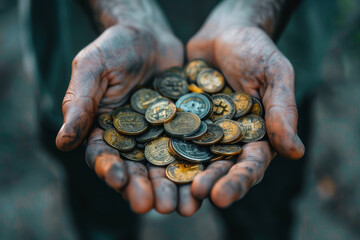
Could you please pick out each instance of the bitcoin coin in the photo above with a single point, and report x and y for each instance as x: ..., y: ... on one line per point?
x: 105, y: 121
x: 257, y: 107
x: 243, y: 130
x: 255, y: 128
x: 121, y: 109
x: 184, y: 123
x: 142, y: 98
x: 224, y: 107
x: 151, y: 133
x: 193, y: 67
x: 156, y: 152
x: 176, y: 70
x: 212, y: 136
x: 183, y: 172
x: 195, y: 103
x: 232, y: 130
x: 191, y: 151
x: 172, y: 86
x: 135, y: 155
x: 119, y: 141
x: 226, y: 149
x: 130, y: 123
x: 243, y: 103
x: 202, y: 131
x: 161, y: 111
x: 210, y: 80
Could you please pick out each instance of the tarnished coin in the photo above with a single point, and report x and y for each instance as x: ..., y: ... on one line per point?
x: 227, y: 90
x: 151, y: 133
x: 119, y: 141
x: 231, y: 157
x: 140, y: 145
x: 212, y: 136
x: 224, y: 107
x: 176, y: 70
x: 105, y: 121
x: 208, y: 121
x: 195, y: 103
x: 255, y: 128
x: 135, y: 155
x: 157, y: 153
x: 193, y: 67
x: 232, y: 130
x: 202, y: 131
x: 243, y: 103
x: 184, y: 123
x: 121, y: 109
x: 130, y: 123
x: 210, y: 80
x: 161, y: 111
x: 172, y: 86
x: 183, y: 172
x: 142, y: 98
x: 191, y: 151
x: 195, y: 88
x: 243, y: 130
x: 257, y: 107
x: 226, y: 149
x: 217, y: 158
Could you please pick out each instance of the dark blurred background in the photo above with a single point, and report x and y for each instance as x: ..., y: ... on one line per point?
x: 318, y: 197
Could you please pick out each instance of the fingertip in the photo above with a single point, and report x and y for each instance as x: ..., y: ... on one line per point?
x: 188, y: 205
x: 65, y: 140
x: 221, y: 194
x: 140, y: 194
x: 165, y: 193
x: 116, y: 177
x: 200, y: 187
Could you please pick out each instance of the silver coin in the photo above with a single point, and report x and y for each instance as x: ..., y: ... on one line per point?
x: 191, y: 151
x: 195, y: 103
x: 202, y: 131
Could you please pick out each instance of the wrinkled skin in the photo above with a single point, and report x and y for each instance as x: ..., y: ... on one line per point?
x: 252, y: 63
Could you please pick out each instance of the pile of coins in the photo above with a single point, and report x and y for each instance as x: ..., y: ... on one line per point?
x: 188, y: 119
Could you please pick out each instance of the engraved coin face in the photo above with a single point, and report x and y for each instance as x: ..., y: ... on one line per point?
x: 231, y: 129
x: 191, y: 151
x: 130, y: 123
x: 226, y: 149
x: 151, y: 133
x: 195, y: 103
x: 213, y: 135
x: 255, y: 128
x: 105, y: 121
x: 202, y: 131
x: 142, y: 98
x: 160, y: 112
x: 211, y: 80
x: 176, y: 70
x: 257, y: 107
x: 172, y: 86
x: 184, y: 123
x: 224, y: 107
x: 193, y: 67
x: 135, y: 155
x: 156, y: 152
x: 243, y: 103
x: 183, y: 172
x: 121, y: 109
x: 119, y: 141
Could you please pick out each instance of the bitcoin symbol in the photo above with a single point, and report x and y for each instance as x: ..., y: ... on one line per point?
x: 220, y: 108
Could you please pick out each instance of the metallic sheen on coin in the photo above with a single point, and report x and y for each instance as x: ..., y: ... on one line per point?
x: 257, y: 107
x: 184, y: 123
x: 135, y: 155
x: 105, y: 121
x: 183, y: 172
x: 195, y: 103
x: 226, y: 149
x: 151, y: 133
x: 119, y: 141
x: 255, y: 128
x: 130, y: 123
x: 224, y: 107
x: 142, y: 98
x: 243, y: 103
x: 212, y: 136
x: 172, y: 86
x: 232, y: 130
x: 210, y: 80
x: 161, y: 111
x: 156, y: 152
x: 193, y: 67
x: 202, y: 131
x: 191, y: 151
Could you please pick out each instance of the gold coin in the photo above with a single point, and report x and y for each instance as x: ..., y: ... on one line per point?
x: 227, y: 90
x: 119, y: 141
x: 193, y: 67
x: 232, y: 130
x: 121, y: 109
x: 226, y: 149
x: 184, y: 123
x: 105, y: 121
x: 210, y: 80
x: 130, y: 123
x: 182, y: 171
x: 224, y: 107
x: 217, y: 158
x: 213, y: 135
x: 156, y: 152
x: 142, y: 98
x: 195, y: 89
x: 257, y: 107
x: 243, y: 103
x: 255, y: 128
x: 161, y: 111
x: 243, y: 130
x: 135, y: 155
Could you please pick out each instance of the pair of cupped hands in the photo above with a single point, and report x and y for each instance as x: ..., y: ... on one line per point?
x: 123, y: 57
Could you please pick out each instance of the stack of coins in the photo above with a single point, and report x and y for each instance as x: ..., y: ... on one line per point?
x: 189, y: 118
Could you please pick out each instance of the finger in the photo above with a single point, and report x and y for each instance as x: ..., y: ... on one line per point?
x: 139, y: 190
x: 165, y: 191
x: 204, y: 181
x: 105, y: 160
x: 248, y: 171
x: 187, y: 204
x: 81, y: 99
x: 280, y: 108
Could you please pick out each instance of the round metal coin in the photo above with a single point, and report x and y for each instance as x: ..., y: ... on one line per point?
x: 160, y: 112
x: 193, y: 67
x: 232, y: 130
x: 210, y: 80
x: 191, y: 151
x: 172, y: 85
x: 212, y: 136
x: 130, y: 123
x: 224, y: 107
x: 255, y: 128
x: 184, y: 123
x: 135, y: 155
x: 176, y: 70
x: 243, y: 103
x: 105, y: 121
x: 183, y: 172
x: 121, y: 109
x: 156, y: 152
x: 226, y: 149
x: 142, y: 98
x: 202, y: 131
x: 195, y: 103
x: 119, y: 141
x: 257, y: 107
x: 151, y: 133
